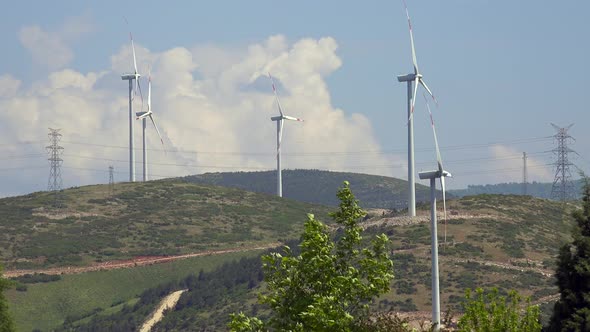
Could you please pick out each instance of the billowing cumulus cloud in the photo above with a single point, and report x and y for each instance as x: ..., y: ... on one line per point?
x: 212, y: 104
x: 51, y: 49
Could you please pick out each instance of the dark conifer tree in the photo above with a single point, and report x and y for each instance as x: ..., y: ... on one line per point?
x: 572, y: 310
x: 6, y: 322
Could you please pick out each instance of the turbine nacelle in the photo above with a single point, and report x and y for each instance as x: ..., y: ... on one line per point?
x: 408, y: 77
x: 142, y: 115
x: 434, y: 175
x: 285, y: 117
x: 126, y: 77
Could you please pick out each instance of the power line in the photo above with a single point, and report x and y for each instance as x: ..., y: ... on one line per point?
x: 324, y: 153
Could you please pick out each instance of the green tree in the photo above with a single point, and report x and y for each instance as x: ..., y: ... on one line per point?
x: 494, y: 313
x: 6, y: 323
x: 572, y: 311
x: 328, y: 286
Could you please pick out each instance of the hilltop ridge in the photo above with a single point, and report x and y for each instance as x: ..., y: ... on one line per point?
x: 319, y: 187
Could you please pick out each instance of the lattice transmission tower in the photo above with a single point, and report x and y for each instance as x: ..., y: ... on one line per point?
x: 563, y: 186
x: 111, y: 181
x: 54, y: 150
x: 524, y: 174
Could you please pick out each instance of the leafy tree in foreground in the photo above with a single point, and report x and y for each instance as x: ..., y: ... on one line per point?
x: 328, y: 286
x: 494, y: 313
x: 572, y: 310
x: 6, y: 323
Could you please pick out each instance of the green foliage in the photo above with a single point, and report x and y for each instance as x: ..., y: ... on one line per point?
x: 241, y: 322
x: 328, y: 286
x: 572, y: 310
x: 36, y: 278
x: 6, y: 322
x: 205, y: 306
x: 78, y: 295
x: 494, y: 313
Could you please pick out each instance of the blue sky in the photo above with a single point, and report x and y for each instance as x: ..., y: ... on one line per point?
x: 502, y: 71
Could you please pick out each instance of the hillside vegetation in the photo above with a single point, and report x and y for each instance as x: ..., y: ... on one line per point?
x: 154, y: 218
x: 319, y: 187
x: 508, y: 242
x: 80, y: 297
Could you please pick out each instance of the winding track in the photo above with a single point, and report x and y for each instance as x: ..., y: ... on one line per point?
x: 141, y: 261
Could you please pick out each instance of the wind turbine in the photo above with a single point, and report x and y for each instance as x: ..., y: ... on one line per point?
x: 440, y: 173
x: 132, y: 92
x: 143, y: 116
x: 414, y: 79
x: 279, y: 119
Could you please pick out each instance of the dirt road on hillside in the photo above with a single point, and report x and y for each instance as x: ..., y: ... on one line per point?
x: 167, y: 303
x: 419, y: 219
x: 135, y: 262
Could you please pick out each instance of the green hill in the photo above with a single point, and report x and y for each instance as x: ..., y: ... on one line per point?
x: 157, y: 218
x: 508, y: 242
x: 153, y: 218
x: 319, y: 187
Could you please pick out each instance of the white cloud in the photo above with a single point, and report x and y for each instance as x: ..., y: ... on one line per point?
x: 51, y: 49
x: 8, y: 86
x: 200, y: 104
x: 46, y: 49
x: 509, y: 161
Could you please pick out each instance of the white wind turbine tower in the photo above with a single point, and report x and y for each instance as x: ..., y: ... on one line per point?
x: 143, y: 116
x: 440, y: 173
x: 132, y: 92
x: 279, y: 119
x: 414, y: 78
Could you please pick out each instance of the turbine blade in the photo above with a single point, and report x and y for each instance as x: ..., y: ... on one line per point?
x: 274, y: 90
x: 413, y: 100
x: 438, y: 157
x: 133, y: 50
x: 429, y: 92
x: 140, y: 93
x: 281, y: 133
x: 286, y: 117
x: 280, y: 137
x: 444, y: 199
x: 157, y: 130
x: 414, y: 61
x: 149, y: 102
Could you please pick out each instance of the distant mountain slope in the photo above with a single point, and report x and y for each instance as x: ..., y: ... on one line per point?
x: 319, y: 187
x: 535, y: 189
x: 152, y: 218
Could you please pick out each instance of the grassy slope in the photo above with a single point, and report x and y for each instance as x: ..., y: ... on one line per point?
x: 154, y: 218
x: 186, y: 217
x: 512, y: 230
x: 319, y: 187
x: 489, y: 228
x: 45, y: 306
